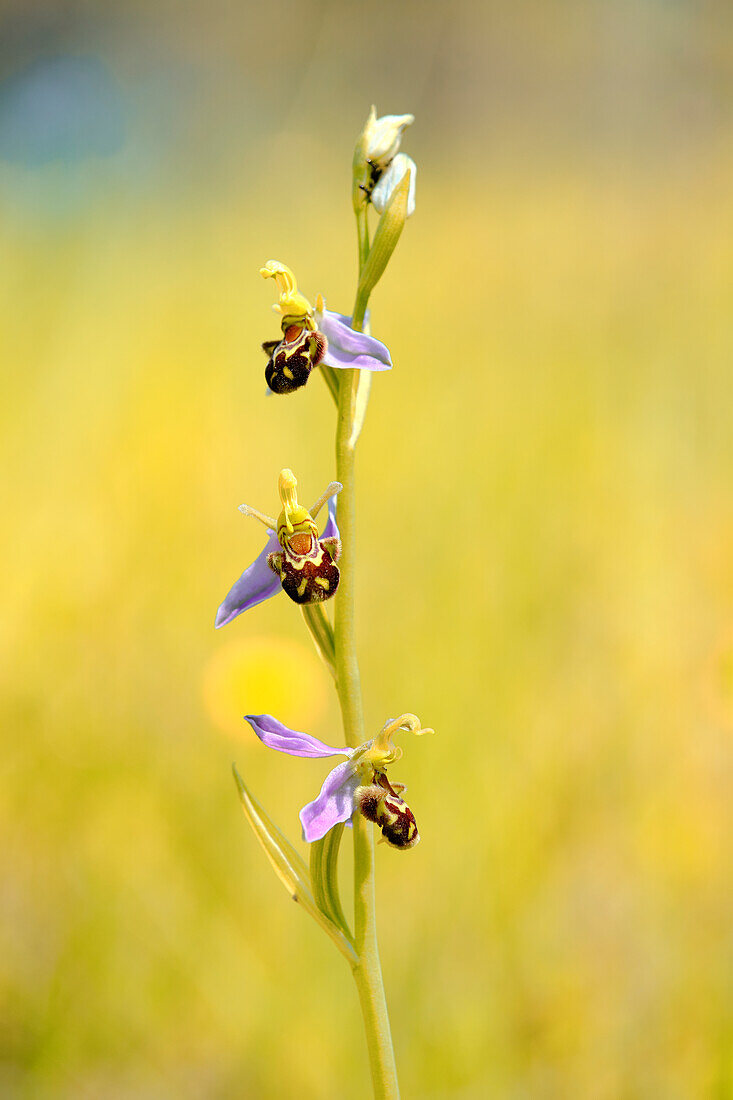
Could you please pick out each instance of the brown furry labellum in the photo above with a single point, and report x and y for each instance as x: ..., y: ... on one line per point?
x: 307, y: 567
x: 292, y: 359
x: 379, y: 802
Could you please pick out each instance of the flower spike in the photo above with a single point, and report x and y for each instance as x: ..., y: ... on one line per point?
x: 294, y: 558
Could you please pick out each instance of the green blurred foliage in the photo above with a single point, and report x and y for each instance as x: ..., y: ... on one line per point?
x: 545, y: 543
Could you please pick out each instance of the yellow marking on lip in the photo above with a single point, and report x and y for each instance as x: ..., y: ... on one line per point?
x: 323, y: 582
x: 302, y: 586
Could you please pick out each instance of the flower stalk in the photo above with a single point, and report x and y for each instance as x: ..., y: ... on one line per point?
x: 368, y: 971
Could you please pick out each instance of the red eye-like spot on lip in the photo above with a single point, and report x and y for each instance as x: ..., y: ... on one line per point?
x: 300, y: 543
x: 292, y: 332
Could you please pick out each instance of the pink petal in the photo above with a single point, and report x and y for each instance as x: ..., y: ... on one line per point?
x: 277, y: 736
x: 335, y: 802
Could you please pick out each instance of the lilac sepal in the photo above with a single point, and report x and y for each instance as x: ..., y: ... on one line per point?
x: 277, y: 736
x: 335, y: 802
x: 257, y: 583
x: 347, y: 348
x: 331, y: 529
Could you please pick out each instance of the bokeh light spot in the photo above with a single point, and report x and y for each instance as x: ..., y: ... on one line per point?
x: 61, y: 108
x: 264, y: 675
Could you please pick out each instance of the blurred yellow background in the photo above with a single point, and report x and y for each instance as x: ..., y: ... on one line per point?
x: 545, y: 538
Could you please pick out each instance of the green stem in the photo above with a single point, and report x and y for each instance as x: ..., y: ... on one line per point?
x: 362, y: 229
x: 348, y: 681
x: 367, y: 972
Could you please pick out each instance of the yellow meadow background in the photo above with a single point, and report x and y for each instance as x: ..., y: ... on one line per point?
x: 545, y: 539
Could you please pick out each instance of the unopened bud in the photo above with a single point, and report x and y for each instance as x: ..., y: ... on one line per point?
x: 378, y: 144
x: 382, y: 137
x: 390, y: 180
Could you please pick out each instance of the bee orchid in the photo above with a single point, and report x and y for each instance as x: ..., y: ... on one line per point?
x: 313, y: 336
x: 294, y: 558
x: 358, y: 784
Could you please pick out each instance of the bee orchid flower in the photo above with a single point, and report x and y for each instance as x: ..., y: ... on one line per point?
x: 294, y: 558
x: 313, y: 336
x: 360, y: 783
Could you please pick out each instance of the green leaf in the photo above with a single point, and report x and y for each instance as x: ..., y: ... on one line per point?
x: 390, y: 226
x: 361, y: 400
x: 324, y: 876
x: 361, y: 387
x: 290, y: 868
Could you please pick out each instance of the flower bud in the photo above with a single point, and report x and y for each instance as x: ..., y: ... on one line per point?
x: 378, y: 144
x: 389, y: 181
x: 382, y: 137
